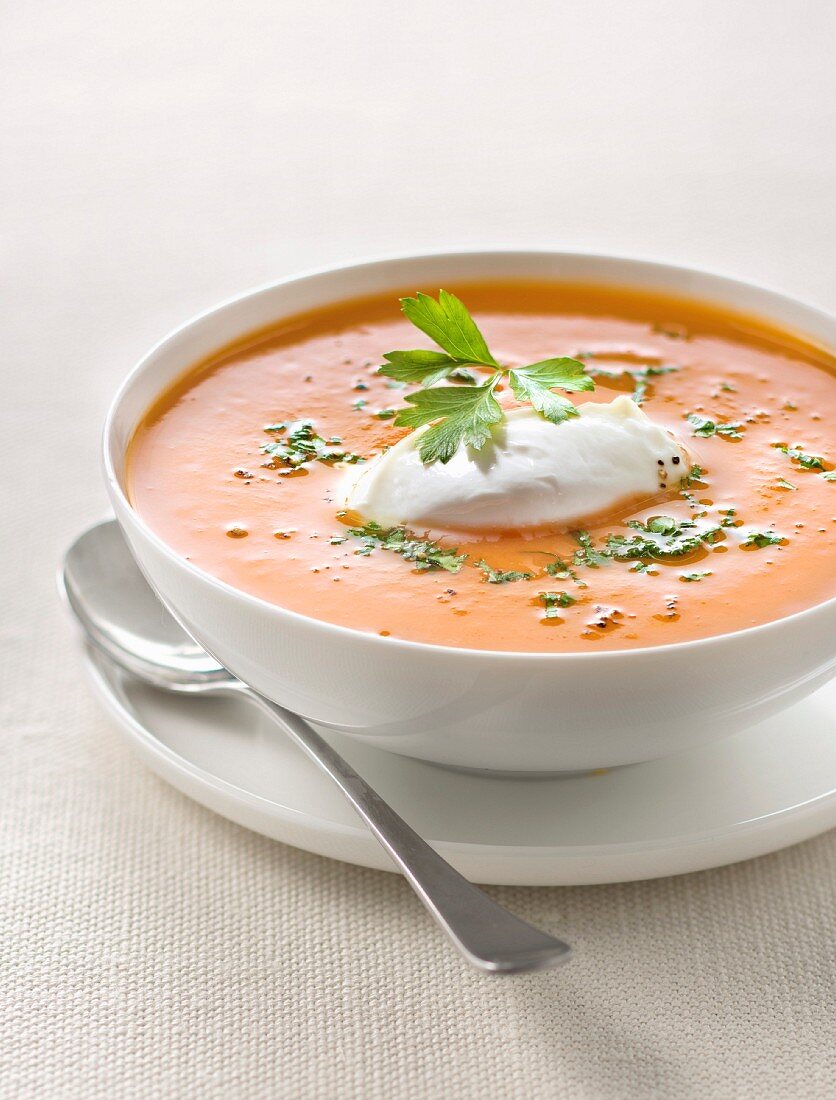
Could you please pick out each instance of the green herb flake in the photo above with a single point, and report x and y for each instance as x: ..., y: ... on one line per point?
x: 424, y: 554
x: 661, y: 537
x: 499, y: 576
x: 385, y: 414
x: 757, y: 540
x: 644, y: 567
x: 696, y: 473
x: 782, y: 483
x: 694, y: 576
x: 554, y: 601
x: 829, y: 475
x: 301, y: 444
x: 729, y: 517
x: 588, y: 554
x: 795, y: 452
x: 640, y: 377
x: 561, y: 569
x: 706, y: 428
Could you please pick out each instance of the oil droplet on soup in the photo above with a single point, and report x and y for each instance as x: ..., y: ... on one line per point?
x: 200, y: 477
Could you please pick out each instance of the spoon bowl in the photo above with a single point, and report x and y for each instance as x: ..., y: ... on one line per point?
x: 121, y: 615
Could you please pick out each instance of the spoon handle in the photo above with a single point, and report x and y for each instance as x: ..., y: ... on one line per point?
x: 488, y: 936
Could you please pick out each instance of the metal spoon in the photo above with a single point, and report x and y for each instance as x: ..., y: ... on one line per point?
x: 122, y: 616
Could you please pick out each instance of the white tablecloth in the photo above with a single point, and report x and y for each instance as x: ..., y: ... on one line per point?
x: 160, y: 156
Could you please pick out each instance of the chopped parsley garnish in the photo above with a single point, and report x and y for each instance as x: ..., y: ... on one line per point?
x: 640, y: 377
x: 425, y: 554
x: 808, y: 461
x: 385, y: 414
x: 829, y: 475
x: 643, y: 567
x: 300, y: 444
x: 588, y: 554
x: 463, y: 415
x: 562, y: 570
x: 499, y: 576
x: 782, y: 483
x: 757, y: 540
x: 705, y: 428
x: 729, y: 517
x: 660, y: 537
x: 694, y: 576
x: 696, y: 473
x: 640, y: 380
x: 553, y: 601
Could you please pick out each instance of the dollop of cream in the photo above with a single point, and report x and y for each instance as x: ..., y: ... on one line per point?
x: 532, y: 474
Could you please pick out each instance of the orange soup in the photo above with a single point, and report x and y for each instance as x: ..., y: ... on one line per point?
x: 743, y: 536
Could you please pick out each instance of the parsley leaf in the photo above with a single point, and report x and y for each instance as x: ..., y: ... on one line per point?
x: 468, y: 412
x: 498, y: 576
x: 829, y: 475
x: 426, y: 367
x: 449, y: 324
x: 425, y: 554
x: 466, y: 418
x: 534, y: 383
x: 694, y: 576
x: 704, y: 427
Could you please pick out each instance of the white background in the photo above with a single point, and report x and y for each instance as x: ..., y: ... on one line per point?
x: 160, y: 155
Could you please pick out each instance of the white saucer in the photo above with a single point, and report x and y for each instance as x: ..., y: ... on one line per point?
x: 750, y: 794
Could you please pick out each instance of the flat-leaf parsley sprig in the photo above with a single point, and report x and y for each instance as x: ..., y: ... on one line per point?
x: 464, y: 415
